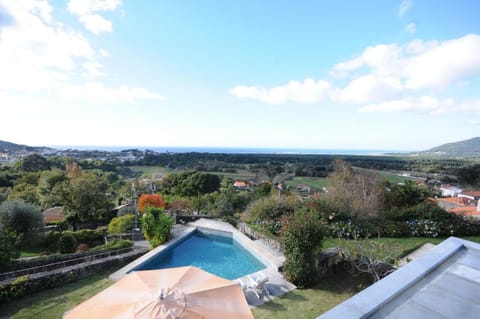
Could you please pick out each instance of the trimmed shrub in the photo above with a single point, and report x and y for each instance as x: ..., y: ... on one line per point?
x: 67, y: 243
x: 119, y: 244
x: 302, y: 237
x: 268, y: 212
x: 91, y: 237
x: 8, y: 249
x: 51, y: 241
x: 121, y: 224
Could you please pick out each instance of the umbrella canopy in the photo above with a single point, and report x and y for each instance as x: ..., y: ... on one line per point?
x: 183, y: 292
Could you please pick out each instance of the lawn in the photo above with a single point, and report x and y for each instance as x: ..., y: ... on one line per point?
x: 305, y: 303
x: 386, y: 175
x: 53, y: 303
x: 310, y: 303
x: 315, y: 183
x: 153, y: 171
x: 159, y: 171
x: 394, y: 247
x: 30, y: 253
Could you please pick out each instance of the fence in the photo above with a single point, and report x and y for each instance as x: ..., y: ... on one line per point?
x: 63, y: 263
x: 253, y: 234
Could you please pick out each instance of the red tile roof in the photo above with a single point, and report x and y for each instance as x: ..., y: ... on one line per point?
x: 240, y: 184
x: 465, y: 211
x: 473, y: 194
x: 53, y: 215
x: 453, y: 200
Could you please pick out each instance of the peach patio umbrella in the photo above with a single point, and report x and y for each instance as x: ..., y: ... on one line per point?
x: 183, y: 292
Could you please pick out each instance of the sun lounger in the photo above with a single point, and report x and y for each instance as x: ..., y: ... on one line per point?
x: 257, y: 286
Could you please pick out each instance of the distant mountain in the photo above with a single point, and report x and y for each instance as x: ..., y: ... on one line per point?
x: 12, y: 147
x: 467, y: 148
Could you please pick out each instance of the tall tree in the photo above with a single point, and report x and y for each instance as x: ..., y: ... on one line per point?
x: 150, y: 200
x: 84, y: 198
x: 360, y: 194
x: 50, y: 187
x: 20, y: 218
x: 406, y: 195
x: 34, y: 163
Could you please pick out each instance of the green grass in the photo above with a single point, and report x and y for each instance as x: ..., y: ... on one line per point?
x: 241, y: 174
x: 386, y: 175
x: 393, y: 247
x: 305, y: 303
x: 159, y: 171
x: 53, y: 303
x: 310, y: 303
x: 315, y: 183
x: 154, y: 171
x: 30, y: 253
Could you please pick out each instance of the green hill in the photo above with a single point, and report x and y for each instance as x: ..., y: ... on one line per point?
x: 12, y: 147
x: 467, y: 148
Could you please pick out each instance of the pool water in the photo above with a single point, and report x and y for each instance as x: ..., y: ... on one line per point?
x: 216, y: 254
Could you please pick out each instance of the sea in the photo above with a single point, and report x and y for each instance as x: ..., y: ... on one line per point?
x: 235, y: 150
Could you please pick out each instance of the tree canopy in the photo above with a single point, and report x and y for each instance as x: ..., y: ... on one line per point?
x: 150, y: 200
x: 20, y: 218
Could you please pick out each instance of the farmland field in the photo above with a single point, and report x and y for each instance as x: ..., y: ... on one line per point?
x: 315, y: 183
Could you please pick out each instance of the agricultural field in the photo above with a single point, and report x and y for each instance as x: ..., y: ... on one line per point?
x: 391, y: 177
x: 157, y: 172
x: 315, y: 183
x: 154, y: 172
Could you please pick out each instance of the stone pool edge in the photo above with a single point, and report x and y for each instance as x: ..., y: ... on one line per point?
x: 276, y: 285
x: 179, y: 234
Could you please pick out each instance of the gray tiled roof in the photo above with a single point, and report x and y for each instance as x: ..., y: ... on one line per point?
x: 444, y: 283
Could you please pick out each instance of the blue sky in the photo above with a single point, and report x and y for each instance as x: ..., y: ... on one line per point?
x: 387, y: 75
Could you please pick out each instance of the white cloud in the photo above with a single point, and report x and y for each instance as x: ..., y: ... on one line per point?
x: 98, y: 93
x: 87, y: 11
x: 420, y: 64
x: 37, y: 54
x: 444, y: 64
x: 82, y: 7
x: 427, y: 104
x: 367, y: 89
x: 96, y: 23
x: 404, y: 7
x: 40, y: 57
x: 308, y: 92
x: 92, y: 69
x: 103, y: 53
x: 386, y: 76
x: 411, y: 28
x: 424, y: 103
x: 471, y: 106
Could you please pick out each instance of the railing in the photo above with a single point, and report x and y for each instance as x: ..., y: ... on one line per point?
x: 253, y: 234
x: 133, y: 236
x: 61, y: 264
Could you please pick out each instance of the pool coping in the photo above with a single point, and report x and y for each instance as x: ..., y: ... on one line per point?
x: 179, y: 233
x: 272, y: 260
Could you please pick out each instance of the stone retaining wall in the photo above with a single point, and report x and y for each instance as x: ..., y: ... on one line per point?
x: 47, y: 263
x: 29, y: 284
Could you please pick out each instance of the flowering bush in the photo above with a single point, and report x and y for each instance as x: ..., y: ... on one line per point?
x: 150, y: 200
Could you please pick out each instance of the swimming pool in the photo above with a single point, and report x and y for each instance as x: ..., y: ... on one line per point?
x: 215, y: 253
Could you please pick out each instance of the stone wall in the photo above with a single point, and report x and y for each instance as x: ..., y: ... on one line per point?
x: 29, y: 284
